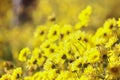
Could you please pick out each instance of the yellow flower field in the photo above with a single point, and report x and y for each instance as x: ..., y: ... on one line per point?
x: 61, y: 46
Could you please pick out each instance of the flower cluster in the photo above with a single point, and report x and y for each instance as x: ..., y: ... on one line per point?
x: 67, y: 52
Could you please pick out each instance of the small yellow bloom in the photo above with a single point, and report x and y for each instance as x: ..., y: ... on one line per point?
x: 113, y: 58
x: 52, y: 74
x: 46, y: 44
x: 90, y: 70
x: 118, y: 22
x: 49, y: 48
x: 60, y: 57
x: 23, y: 54
x: 111, y: 41
x: 76, y: 65
x: 93, y: 55
x: 49, y: 65
x: 40, y: 61
x: 6, y: 77
x: 37, y: 53
x: 114, y: 70
x: 65, y: 30
x: 54, y: 32
x: 40, y: 32
x: 17, y: 73
x: 37, y: 57
x: 32, y: 62
x: 110, y: 24
x: 84, y: 17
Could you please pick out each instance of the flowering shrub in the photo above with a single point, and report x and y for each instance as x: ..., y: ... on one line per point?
x: 70, y: 53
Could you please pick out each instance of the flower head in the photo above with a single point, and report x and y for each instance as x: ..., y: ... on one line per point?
x: 23, y: 54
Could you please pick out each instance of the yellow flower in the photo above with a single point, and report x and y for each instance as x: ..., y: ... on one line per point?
x: 113, y: 58
x: 23, y: 54
x: 77, y: 35
x: 84, y: 17
x: 32, y: 62
x: 118, y: 22
x: 76, y: 65
x: 40, y: 32
x: 17, y: 73
x: 54, y: 32
x: 111, y: 41
x: 41, y: 61
x: 60, y: 57
x: 110, y: 24
x: 117, y: 49
x: 93, y: 55
x: 37, y: 53
x: 49, y: 65
x: 90, y: 71
x: 65, y: 30
x: 46, y: 44
x: 114, y: 70
x: 6, y: 77
x: 78, y: 42
x: 101, y: 36
x: 49, y: 49
x: 52, y: 74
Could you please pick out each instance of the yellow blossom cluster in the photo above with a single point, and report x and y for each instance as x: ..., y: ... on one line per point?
x: 68, y: 52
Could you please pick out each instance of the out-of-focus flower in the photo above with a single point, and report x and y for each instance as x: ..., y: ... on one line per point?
x: 54, y: 32
x: 84, y: 17
x: 41, y: 32
x: 23, y: 54
x: 17, y: 73
x: 93, y: 55
x: 114, y: 70
x: 6, y: 77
